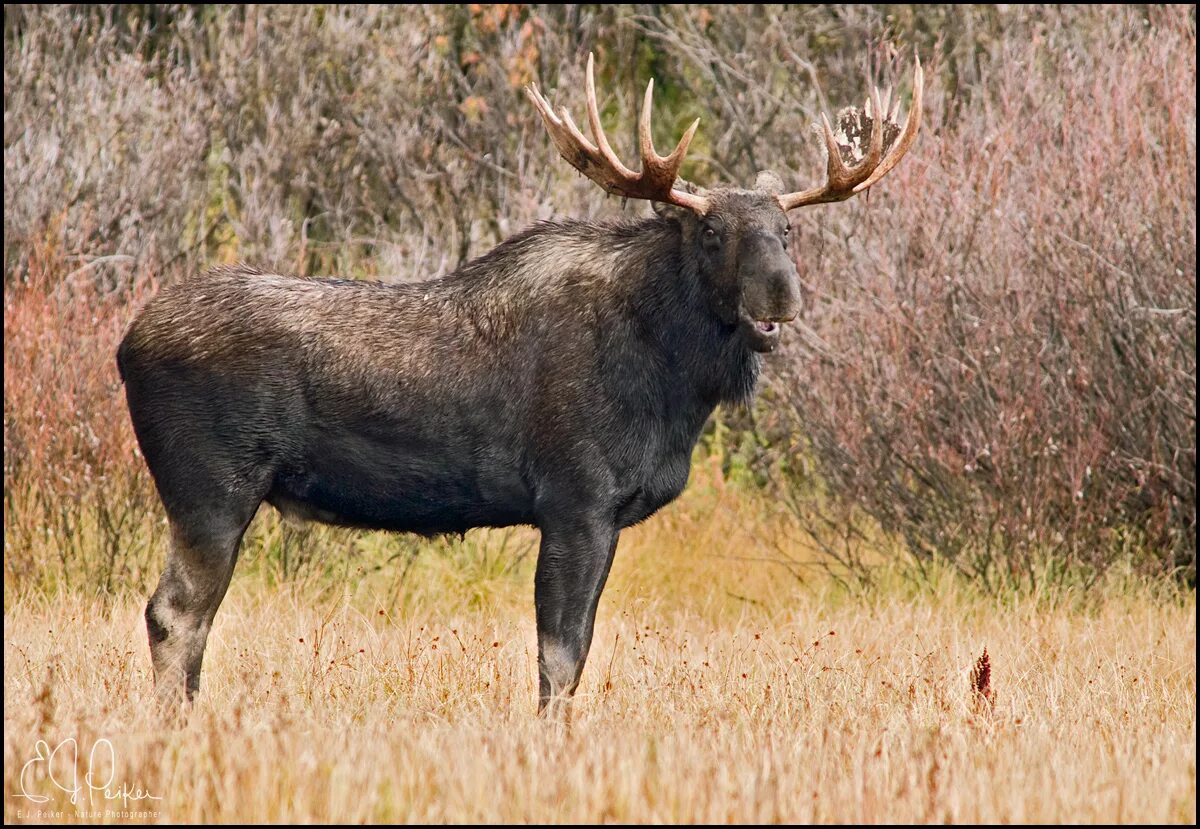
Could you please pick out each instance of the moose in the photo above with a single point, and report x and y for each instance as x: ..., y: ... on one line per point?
x: 560, y: 380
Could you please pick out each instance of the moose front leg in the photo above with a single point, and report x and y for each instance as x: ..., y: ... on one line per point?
x: 573, y: 564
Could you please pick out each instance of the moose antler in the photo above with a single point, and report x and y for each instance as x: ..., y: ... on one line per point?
x: 844, y: 181
x: 656, y: 181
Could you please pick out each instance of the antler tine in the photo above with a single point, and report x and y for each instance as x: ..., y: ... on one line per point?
x: 885, y: 98
x: 676, y: 157
x: 645, y: 141
x: 560, y: 133
x: 844, y: 181
x: 598, y: 130
x: 909, y: 134
x: 876, y: 151
x: 668, y: 164
x: 598, y: 162
x: 836, y: 172
x: 543, y: 106
x: 575, y: 133
x: 840, y: 177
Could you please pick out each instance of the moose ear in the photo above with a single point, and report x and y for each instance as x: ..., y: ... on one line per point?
x: 769, y: 182
x: 672, y: 211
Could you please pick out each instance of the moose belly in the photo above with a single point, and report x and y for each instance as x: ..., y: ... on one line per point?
x: 430, y: 489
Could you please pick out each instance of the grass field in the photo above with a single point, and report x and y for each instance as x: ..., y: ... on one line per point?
x: 722, y: 686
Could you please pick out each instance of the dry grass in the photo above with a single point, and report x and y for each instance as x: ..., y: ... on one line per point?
x: 720, y: 688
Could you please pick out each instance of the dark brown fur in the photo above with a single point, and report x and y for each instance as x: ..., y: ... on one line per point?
x: 560, y: 380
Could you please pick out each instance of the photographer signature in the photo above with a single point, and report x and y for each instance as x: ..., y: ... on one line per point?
x: 66, y: 755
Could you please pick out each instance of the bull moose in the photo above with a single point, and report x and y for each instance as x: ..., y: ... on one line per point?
x: 560, y: 380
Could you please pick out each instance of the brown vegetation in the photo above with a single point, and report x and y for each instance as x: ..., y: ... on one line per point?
x: 998, y: 363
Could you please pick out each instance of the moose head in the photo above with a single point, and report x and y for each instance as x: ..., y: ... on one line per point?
x: 739, y: 237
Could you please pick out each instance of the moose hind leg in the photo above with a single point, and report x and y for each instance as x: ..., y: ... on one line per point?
x: 181, y: 610
x: 573, y: 565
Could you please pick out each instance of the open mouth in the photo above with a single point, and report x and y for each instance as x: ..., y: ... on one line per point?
x: 762, y: 334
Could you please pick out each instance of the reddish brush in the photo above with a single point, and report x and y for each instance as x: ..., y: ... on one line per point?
x: 983, y: 697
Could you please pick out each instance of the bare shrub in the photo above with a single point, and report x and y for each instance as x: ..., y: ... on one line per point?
x: 998, y: 363
x: 104, y: 150
x: 1003, y: 369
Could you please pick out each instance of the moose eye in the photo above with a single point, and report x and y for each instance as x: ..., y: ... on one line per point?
x: 709, y: 233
